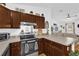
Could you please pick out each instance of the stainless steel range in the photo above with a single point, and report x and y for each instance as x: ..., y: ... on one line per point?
x: 28, y: 40
x: 28, y: 44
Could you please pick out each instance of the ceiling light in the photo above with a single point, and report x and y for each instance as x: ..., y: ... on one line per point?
x: 68, y: 15
x: 68, y: 18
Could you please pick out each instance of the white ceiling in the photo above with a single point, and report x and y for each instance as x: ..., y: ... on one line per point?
x: 52, y: 4
x: 59, y: 11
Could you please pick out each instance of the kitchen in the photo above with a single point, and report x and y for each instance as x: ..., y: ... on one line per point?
x: 24, y: 32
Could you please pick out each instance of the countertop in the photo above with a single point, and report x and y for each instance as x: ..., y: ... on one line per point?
x: 5, y: 44
x: 59, y: 39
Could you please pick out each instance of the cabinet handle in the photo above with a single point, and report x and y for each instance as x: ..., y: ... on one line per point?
x: 14, y: 45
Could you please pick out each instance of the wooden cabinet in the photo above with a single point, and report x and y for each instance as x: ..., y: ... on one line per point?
x: 16, y: 19
x: 32, y: 18
x: 40, y: 45
x: 48, y: 51
x: 24, y: 17
x: 40, y: 21
x: 12, y: 19
x: 5, y: 17
x: 15, y: 49
x: 51, y: 48
x: 27, y: 18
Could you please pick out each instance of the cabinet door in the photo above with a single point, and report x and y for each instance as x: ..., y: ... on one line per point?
x: 40, y: 22
x: 15, y: 52
x: 15, y: 49
x: 58, y: 52
x: 37, y: 22
x: 5, y: 17
x: 48, y: 48
x: 32, y: 18
x: 40, y: 46
x: 24, y: 17
x: 27, y: 18
x: 15, y: 19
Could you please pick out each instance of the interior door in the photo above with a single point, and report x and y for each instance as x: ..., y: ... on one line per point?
x: 70, y: 28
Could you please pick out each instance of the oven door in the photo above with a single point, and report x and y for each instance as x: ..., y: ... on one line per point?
x: 36, y: 46
x: 31, y: 46
x: 24, y: 48
x: 28, y: 47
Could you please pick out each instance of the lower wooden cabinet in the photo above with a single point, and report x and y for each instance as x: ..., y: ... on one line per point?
x: 51, y: 48
x: 41, y: 48
x: 15, y: 49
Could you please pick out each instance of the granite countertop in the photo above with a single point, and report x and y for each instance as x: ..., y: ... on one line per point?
x: 59, y: 39
x: 5, y: 44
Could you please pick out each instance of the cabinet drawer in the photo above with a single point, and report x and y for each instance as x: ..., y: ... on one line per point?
x: 15, y: 49
x: 15, y: 44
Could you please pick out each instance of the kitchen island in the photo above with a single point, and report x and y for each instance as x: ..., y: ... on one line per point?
x: 53, y: 45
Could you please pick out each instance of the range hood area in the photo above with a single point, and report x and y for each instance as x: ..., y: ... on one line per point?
x: 27, y: 27
x: 28, y: 24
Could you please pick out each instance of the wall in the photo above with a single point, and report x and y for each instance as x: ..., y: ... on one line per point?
x: 76, y: 28
x: 12, y: 32
x: 63, y: 23
x: 59, y: 14
x: 28, y: 8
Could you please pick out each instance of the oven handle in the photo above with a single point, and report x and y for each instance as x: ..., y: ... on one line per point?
x: 31, y: 41
x: 23, y: 42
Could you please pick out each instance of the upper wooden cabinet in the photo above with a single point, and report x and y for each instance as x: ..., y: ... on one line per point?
x: 32, y: 18
x: 5, y: 17
x: 16, y: 19
x: 28, y: 18
x: 12, y: 19
x: 25, y: 17
x: 40, y: 21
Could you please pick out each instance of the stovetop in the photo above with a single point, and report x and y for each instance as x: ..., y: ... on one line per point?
x: 27, y: 37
